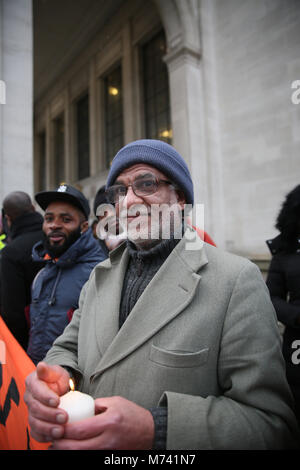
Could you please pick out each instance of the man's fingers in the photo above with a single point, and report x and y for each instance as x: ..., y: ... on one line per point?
x: 47, y: 383
x: 39, y: 390
x: 43, y: 387
x: 50, y: 374
x: 42, y: 370
x: 89, y: 444
x: 46, y: 413
x: 43, y: 431
x: 100, y: 405
x: 85, y: 429
x: 46, y: 423
x: 94, y: 426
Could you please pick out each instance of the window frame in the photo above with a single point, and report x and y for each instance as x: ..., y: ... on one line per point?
x: 111, y: 70
x: 143, y: 97
x: 83, y: 95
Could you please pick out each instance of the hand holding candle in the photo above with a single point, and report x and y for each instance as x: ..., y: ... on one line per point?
x: 78, y: 405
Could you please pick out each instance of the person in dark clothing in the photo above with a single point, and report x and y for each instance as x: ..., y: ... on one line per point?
x: 283, y: 281
x: 2, y: 233
x: 17, y: 268
x: 68, y: 253
x: 3, y: 243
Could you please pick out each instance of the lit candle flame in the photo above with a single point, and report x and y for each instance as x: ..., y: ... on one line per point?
x: 72, y: 385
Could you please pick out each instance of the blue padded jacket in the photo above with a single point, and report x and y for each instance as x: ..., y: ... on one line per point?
x: 56, y: 290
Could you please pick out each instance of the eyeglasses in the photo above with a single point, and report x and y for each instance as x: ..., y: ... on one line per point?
x: 141, y: 187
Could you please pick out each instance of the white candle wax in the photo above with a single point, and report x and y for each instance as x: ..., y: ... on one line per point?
x: 78, y: 405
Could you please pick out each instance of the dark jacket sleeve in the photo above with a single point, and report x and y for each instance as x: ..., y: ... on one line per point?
x: 287, y: 313
x: 14, y: 299
x: 160, y: 417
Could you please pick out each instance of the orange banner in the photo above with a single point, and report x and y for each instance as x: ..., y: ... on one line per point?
x: 15, y: 365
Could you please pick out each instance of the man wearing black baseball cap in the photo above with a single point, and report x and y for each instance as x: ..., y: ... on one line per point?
x: 68, y: 253
x: 65, y: 193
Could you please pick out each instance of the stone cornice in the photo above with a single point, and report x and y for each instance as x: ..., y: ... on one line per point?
x: 181, y: 53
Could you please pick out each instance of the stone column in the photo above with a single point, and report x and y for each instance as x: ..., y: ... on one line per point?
x: 68, y: 137
x: 16, y: 124
x: 186, y: 95
x: 93, y: 114
x: 49, y: 148
x: 128, y: 84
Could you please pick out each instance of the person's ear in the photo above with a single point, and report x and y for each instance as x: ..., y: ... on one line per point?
x: 84, y: 226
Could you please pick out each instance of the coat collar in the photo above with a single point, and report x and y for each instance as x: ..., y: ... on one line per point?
x: 178, y: 275
x: 276, y: 245
x: 26, y: 223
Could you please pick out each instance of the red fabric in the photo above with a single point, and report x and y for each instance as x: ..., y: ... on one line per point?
x: 15, y: 365
x: 47, y: 257
x: 27, y: 314
x: 70, y: 313
x: 204, y: 236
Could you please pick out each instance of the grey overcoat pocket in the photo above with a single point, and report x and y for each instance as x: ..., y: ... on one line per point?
x: 178, y: 359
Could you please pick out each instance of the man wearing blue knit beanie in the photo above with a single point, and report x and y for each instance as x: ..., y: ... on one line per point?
x: 162, y: 188
x: 179, y: 348
x: 161, y: 156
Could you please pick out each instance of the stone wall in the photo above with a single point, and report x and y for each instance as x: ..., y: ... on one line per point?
x: 231, y: 67
x: 16, y: 129
x: 251, y: 58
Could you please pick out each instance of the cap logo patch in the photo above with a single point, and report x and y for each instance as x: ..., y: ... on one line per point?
x: 62, y: 189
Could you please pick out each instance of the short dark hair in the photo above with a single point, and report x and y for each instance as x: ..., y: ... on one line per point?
x: 17, y: 203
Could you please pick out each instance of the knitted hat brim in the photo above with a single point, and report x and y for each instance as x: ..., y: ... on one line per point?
x: 151, y: 155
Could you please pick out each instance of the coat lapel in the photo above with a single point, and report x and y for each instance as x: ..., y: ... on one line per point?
x: 169, y: 292
x: 112, y: 273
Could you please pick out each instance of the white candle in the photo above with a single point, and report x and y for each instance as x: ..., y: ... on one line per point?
x: 78, y: 405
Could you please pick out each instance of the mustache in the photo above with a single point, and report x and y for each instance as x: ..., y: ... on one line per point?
x: 56, y: 234
x: 136, y: 210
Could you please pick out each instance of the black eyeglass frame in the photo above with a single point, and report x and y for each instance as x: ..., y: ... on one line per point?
x: 158, y: 182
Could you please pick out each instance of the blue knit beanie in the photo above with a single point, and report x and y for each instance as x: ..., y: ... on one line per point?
x: 158, y: 154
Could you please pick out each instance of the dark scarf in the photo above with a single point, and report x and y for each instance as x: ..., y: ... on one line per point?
x: 142, y: 267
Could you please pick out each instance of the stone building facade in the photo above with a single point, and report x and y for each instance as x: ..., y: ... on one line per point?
x: 212, y: 77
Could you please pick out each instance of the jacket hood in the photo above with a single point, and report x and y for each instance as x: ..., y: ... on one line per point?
x: 85, y: 249
x: 30, y: 222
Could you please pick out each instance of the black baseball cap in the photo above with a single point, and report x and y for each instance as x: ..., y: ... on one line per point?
x: 65, y: 193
